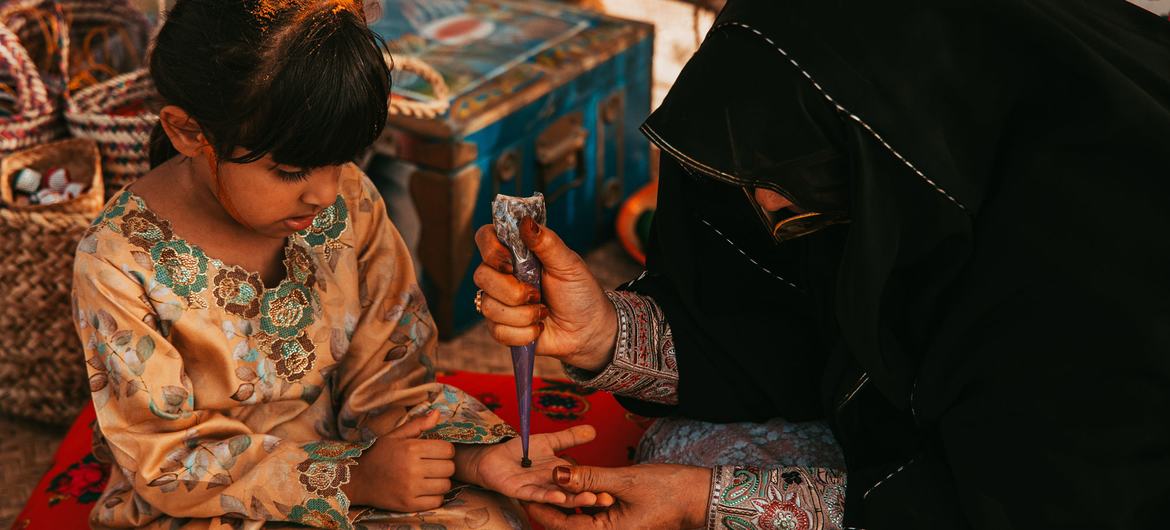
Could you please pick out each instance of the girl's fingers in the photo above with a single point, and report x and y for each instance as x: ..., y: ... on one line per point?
x: 436, y: 449
x: 571, y: 437
x: 513, y: 336
x: 578, y: 500
x: 504, y: 287
x: 433, y: 486
x: 533, y: 490
x: 427, y: 502
x: 535, y: 493
x: 415, y: 426
x: 518, y: 316
x: 585, y: 500
x: 438, y: 468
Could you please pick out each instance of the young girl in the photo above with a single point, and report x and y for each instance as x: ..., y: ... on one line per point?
x: 257, y: 347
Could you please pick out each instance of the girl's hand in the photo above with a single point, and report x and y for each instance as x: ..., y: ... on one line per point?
x: 402, y: 473
x: 649, y: 496
x: 577, y: 323
x: 497, y: 467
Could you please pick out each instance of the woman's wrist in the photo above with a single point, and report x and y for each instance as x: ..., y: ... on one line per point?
x: 698, y: 497
x: 598, y: 351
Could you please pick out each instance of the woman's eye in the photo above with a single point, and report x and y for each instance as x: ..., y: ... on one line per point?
x: 293, y: 176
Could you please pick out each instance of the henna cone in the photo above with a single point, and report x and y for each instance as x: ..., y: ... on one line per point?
x: 507, y: 212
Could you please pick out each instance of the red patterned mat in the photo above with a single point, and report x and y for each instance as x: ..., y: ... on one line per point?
x: 64, y: 496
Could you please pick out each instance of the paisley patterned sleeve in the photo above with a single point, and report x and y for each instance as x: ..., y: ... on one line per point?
x: 643, y: 365
x: 177, y: 456
x: 795, y: 498
x: 386, y: 373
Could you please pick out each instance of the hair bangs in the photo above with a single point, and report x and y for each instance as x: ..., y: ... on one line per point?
x: 326, y: 101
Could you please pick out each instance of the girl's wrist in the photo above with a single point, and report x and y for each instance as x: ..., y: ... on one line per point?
x: 354, y: 490
x: 467, y: 458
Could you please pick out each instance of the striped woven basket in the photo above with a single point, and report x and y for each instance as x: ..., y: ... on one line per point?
x: 33, y: 118
x: 114, y: 114
x: 42, y: 376
x: 40, y: 27
x: 106, y: 38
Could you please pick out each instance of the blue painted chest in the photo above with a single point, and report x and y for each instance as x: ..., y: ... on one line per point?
x: 544, y: 98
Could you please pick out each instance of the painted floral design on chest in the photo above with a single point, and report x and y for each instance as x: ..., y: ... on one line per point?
x: 83, y: 482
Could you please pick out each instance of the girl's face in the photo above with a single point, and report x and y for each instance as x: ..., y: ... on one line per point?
x: 276, y: 200
x: 271, y: 199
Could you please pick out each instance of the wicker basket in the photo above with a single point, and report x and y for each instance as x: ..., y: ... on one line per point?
x: 42, y: 368
x: 40, y: 26
x: 77, y: 155
x: 34, y: 118
x: 107, y: 38
x: 98, y: 113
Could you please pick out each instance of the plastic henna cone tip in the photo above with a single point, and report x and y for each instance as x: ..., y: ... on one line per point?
x: 507, y: 213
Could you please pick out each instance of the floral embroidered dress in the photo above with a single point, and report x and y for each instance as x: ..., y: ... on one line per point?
x: 223, y: 402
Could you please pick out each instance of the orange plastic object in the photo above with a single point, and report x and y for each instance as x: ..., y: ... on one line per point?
x: 642, y: 201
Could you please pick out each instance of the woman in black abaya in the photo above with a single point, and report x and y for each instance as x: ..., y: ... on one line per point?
x: 938, y: 226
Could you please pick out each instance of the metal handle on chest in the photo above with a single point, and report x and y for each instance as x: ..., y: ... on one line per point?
x: 558, y: 149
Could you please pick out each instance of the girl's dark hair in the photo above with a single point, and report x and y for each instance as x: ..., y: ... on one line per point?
x: 302, y: 80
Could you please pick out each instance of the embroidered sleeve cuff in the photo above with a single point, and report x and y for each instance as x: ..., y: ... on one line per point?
x: 778, y: 497
x: 469, y: 432
x: 324, y: 471
x: 465, y: 420
x: 644, y: 364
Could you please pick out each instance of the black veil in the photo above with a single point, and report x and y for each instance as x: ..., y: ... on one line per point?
x: 992, y: 327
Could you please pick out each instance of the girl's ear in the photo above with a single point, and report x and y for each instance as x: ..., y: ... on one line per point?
x: 184, y: 133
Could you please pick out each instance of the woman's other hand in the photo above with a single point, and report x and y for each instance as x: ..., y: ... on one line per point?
x: 403, y: 473
x: 497, y: 467
x: 649, y: 496
x: 576, y: 323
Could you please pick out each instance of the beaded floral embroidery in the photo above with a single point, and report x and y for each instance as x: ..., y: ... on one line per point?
x: 182, y: 268
x: 327, y: 228
x: 327, y: 468
x: 238, y: 292
x: 144, y: 229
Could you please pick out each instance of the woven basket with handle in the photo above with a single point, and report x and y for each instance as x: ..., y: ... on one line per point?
x: 107, y: 38
x: 33, y: 118
x: 114, y: 113
x: 42, y: 367
x: 40, y: 26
